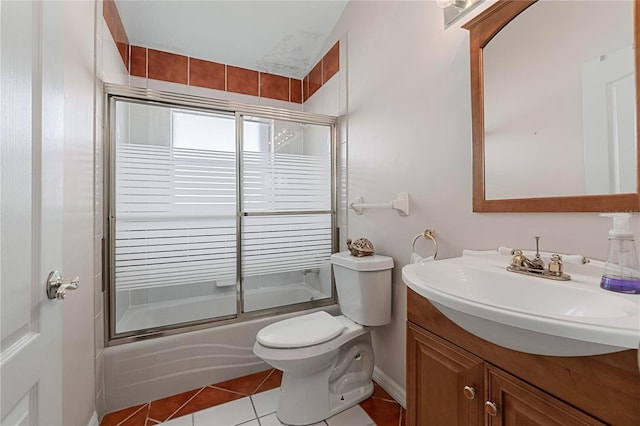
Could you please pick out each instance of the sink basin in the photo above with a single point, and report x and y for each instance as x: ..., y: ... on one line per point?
x: 525, y: 313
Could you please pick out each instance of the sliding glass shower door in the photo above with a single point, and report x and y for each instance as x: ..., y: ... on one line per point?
x: 286, y: 215
x: 175, y: 216
x: 214, y: 215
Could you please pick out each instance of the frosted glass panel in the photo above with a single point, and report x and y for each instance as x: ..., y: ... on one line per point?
x: 286, y: 260
x: 175, y: 216
x: 293, y: 170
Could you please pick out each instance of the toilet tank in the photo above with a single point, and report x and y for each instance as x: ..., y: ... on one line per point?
x: 364, y: 287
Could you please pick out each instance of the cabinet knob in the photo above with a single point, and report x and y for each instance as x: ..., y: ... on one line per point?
x: 469, y: 392
x: 491, y: 408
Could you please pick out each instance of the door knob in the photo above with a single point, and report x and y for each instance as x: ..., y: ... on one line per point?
x: 57, y: 289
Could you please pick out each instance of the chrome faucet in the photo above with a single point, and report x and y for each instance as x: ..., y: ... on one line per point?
x: 536, y: 267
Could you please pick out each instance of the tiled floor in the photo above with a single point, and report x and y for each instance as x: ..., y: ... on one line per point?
x: 247, y: 401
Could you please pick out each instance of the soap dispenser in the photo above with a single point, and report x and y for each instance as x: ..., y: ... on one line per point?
x: 621, y: 272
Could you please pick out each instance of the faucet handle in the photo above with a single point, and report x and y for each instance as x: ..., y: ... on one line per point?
x: 518, y: 259
x: 555, y: 265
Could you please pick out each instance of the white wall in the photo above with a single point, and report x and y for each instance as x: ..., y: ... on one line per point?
x: 78, y: 381
x: 409, y: 129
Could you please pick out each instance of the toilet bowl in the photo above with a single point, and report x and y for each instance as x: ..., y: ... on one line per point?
x: 327, y: 362
x: 321, y: 379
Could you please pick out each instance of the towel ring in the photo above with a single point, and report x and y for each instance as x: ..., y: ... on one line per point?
x: 428, y: 234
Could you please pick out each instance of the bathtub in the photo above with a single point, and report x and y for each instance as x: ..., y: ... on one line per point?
x: 146, y: 370
x: 169, y: 312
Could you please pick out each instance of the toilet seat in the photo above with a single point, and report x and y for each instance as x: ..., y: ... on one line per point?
x: 299, y: 332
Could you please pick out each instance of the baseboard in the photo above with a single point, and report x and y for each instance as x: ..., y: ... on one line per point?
x: 391, y: 386
x: 94, y: 420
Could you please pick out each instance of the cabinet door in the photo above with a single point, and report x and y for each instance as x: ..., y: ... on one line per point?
x: 519, y: 403
x: 437, y: 374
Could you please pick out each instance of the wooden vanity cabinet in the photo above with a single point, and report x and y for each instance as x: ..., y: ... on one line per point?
x: 442, y: 373
x: 521, y: 404
x: 452, y: 374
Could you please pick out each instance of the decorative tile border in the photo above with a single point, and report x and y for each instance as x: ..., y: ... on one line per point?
x: 165, y: 66
x: 112, y: 18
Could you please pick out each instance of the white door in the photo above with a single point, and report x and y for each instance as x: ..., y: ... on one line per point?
x: 609, y: 126
x: 30, y: 211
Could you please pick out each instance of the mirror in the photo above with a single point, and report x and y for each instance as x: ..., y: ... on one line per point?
x: 572, y: 144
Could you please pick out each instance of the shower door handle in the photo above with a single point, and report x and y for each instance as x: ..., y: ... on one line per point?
x: 57, y: 289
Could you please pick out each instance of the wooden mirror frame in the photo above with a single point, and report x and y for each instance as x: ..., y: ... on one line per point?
x: 482, y: 29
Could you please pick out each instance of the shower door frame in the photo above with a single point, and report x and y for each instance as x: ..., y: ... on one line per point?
x: 113, y: 93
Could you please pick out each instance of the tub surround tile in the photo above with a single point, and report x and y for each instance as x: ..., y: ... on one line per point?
x: 331, y: 63
x: 207, y: 93
x: 211, y: 75
x: 110, y: 13
x: 242, y: 80
x: 170, y: 67
x: 167, y: 66
x: 322, y: 72
x: 138, y: 67
x: 274, y: 103
x: 305, y: 88
x: 167, y: 86
x: 274, y: 87
x: 114, y: 23
x: 138, y: 81
x: 315, y: 79
x: 296, y: 90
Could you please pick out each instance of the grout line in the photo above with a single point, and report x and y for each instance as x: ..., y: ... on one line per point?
x: 255, y: 412
x: 179, y: 408
x: 132, y: 414
x: 263, y: 382
x: 227, y: 390
x: 385, y: 399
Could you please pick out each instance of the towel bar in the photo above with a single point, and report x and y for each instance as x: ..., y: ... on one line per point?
x: 400, y: 204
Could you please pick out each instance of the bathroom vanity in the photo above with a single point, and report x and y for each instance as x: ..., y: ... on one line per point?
x: 456, y: 378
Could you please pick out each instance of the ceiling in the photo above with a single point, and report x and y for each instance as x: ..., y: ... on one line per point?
x: 279, y: 37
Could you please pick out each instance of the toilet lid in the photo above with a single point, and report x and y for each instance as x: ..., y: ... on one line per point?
x: 299, y: 332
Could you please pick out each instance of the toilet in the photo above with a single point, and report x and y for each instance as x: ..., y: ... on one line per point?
x: 327, y: 362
